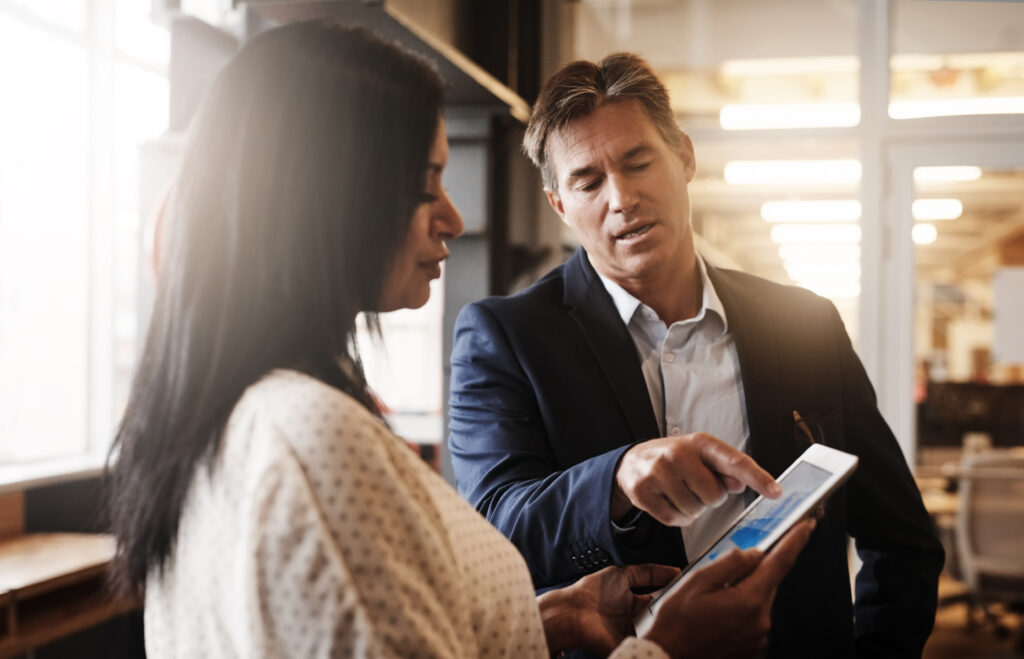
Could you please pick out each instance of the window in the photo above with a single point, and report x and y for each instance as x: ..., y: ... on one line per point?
x: 84, y: 86
x: 404, y: 367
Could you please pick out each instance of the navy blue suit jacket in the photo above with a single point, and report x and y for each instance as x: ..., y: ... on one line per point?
x: 547, y: 394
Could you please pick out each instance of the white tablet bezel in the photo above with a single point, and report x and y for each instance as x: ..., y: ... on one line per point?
x: 839, y: 465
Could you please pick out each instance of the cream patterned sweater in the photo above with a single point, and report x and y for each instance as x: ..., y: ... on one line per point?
x: 320, y: 534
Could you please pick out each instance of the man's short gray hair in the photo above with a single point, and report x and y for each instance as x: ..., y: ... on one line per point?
x: 580, y: 87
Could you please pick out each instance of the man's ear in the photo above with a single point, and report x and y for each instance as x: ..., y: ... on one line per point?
x: 688, y: 158
x: 556, y: 203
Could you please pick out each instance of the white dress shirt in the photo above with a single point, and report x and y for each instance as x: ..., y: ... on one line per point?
x: 693, y: 378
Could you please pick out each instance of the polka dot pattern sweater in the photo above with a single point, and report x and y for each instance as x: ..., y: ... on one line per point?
x: 320, y: 534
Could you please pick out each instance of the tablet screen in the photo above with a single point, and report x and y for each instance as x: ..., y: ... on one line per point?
x: 798, y: 484
x: 765, y: 517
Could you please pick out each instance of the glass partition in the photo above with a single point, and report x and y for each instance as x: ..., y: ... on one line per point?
x: 969, y: 354
x: 746, y: 79
x: 956, y: 58
x: 738, y: 65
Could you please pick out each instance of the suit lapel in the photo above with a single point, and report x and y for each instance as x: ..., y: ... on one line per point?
x: 591, y: 307
x: 769, y: 422
x: 760, y: 367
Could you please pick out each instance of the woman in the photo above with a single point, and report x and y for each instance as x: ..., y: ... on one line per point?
x: 258, y: 499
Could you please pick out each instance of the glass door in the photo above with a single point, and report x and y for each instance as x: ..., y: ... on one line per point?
x: 953, y: 348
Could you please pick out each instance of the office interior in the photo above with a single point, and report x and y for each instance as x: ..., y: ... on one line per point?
x: 871, y: 151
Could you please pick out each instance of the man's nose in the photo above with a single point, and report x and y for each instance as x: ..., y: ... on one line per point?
x: 622, y: 195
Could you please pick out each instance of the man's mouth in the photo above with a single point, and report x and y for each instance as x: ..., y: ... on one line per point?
x: 634, y: 233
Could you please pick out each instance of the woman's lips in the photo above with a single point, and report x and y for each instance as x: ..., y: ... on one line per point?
x: 433, y: 267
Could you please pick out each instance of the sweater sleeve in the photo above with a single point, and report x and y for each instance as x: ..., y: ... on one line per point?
x: 365, y: 584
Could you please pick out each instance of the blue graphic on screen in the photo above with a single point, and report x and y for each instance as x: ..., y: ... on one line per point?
x: 769, y: 513
x: 763, y: 519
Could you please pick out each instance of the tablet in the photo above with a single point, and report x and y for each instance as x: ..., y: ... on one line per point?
x: 806, y: 483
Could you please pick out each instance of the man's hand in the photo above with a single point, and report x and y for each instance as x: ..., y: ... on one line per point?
x: 724, y: 610
x: 675, y: 479
x: 597, y: 612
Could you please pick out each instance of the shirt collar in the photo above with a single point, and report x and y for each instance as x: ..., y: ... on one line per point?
x: 627, y: 305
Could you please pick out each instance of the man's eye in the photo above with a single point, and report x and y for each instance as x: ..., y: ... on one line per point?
x: 640, y: 166
x: 590, y: 186
x: 427, y: 198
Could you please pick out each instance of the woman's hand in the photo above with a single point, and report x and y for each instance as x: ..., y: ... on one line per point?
x: 724, y: 610
x: 596, y: 612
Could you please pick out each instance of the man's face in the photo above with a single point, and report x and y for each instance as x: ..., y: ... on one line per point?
x: 623, y: 191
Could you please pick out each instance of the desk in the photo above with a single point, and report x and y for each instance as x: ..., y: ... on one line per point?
x: 940, y: 504
x: 52, y: 585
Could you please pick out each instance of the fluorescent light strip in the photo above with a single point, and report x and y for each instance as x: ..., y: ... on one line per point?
x: 819, y: 252
x: 945, y: 107
x: 790, y: 66
x: 741, y: 172
x: 757, y: 116
x: 924, y: 233
x: 917, y: 63
x: 816, y: 233
x: 947, y: 174
x: 806, y: 270
x: 930, y: 210
x: 832, y: 210
x: 850, y: 64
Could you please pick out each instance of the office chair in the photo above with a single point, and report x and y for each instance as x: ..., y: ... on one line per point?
x: 990, y: 534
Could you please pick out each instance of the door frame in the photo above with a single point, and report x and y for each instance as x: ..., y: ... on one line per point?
x: 895, y: 292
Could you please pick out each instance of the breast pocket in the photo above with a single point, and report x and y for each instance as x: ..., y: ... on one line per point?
x: 812, y: 427
x: 821, y: 428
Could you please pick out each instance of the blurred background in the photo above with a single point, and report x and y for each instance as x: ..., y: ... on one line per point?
x: 871, y: 151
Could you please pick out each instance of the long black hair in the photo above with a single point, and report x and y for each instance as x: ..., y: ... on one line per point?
x: 303, y: 168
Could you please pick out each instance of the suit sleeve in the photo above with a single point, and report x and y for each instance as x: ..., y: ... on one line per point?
x: 896, y: 589
x: 504, y: 465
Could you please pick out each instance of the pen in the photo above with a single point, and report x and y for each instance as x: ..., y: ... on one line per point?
x: 798, y: 420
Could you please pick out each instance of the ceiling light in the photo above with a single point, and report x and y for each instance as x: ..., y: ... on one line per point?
x: 756, y: 116
x: 807, y: 270
x: 792, y: 171
x: 924, y: 233
x: 788, y: 66
x: 819, y: 252
x: 833, y: 210
x: 917, y: 63
x: 937, y: 209
x: 949, y: 174
x: 945, y: 107
x: 816, y: 233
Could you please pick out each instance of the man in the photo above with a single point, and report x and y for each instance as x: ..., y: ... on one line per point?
x: 616, y: 398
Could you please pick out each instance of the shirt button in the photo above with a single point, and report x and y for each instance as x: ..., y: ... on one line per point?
x: 670, y: 358
x: 675, y: 430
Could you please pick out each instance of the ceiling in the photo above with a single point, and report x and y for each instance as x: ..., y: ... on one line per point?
x: 712, y: 53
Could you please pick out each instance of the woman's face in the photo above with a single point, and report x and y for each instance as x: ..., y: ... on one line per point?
x: 418, y: 260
